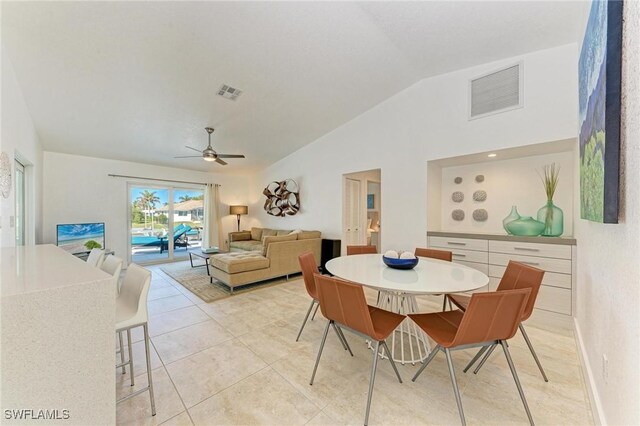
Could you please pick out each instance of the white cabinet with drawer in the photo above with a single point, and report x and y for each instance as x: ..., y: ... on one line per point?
x: 490, y: 254
x: 458, y: 243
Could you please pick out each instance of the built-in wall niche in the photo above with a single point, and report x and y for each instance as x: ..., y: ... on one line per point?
x: 474, y: 193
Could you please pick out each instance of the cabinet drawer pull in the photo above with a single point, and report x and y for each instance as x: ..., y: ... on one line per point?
x: 530, y: 263
x: 453, y: 243
x: 459, y: 255
x: 526, y: 249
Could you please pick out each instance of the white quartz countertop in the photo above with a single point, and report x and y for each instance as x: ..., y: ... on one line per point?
x: 29, y: 269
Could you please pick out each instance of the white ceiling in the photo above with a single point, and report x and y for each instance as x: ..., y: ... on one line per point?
x: 137, y: 80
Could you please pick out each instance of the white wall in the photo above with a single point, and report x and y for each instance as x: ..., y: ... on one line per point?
x: 426, y: 121
x: 507, y: 183
x: 608, y: 294
x: 19, y: 138
x: 77, y: 189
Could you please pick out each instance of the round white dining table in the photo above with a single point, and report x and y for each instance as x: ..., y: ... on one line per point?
x: 398, y: 289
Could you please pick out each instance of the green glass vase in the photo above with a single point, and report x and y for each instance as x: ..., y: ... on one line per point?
x: 514, y: 215
x: 553, y: 219
x: 526, y: 226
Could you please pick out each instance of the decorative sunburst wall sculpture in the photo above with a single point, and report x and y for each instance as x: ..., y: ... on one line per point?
x: 283, y: 198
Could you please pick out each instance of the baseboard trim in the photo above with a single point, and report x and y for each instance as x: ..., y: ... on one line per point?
x: 587, y: 374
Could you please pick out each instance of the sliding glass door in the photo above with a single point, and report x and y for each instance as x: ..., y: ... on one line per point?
x: 165, y: 222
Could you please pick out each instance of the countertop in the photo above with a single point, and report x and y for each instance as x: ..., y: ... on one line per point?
x: 29, y: 269
x: 567, y: 241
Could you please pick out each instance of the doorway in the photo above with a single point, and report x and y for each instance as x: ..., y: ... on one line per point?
x: 20, y: 204
x: 361, y: 215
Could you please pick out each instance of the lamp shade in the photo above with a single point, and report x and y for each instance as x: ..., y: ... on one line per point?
x: 238, y: 209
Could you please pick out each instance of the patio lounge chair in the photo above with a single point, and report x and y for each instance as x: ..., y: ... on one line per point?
x: 179, y: 239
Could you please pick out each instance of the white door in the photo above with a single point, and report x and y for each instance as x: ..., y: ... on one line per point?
x: 352, y: 231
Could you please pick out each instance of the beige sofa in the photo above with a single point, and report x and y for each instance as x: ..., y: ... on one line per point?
x: 267, y: 256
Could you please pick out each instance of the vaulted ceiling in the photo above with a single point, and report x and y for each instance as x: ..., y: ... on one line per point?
x: 138, y: 80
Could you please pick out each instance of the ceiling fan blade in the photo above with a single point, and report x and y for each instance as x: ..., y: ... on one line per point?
x: 197, y: 150
x: 230, y: 156
x: 189, y: 156
x: 219, y: 161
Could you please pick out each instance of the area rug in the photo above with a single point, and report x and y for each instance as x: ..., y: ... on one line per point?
x: 197, y: 281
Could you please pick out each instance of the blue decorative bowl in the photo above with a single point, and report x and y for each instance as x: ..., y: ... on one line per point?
x: 400, y: 263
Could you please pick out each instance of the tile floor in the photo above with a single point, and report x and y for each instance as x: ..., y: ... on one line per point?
x: 235, y: 361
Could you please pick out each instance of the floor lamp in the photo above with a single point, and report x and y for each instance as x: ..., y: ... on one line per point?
x: 238, y: 211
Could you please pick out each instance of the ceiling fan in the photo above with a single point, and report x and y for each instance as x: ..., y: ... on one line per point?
x: 208, y: 154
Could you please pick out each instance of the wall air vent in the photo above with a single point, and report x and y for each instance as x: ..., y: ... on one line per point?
x: 498, y: 91
x: 229, y: 92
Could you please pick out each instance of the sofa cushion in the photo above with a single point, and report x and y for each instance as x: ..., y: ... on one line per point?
x: 246, y: 245
x: 307, y: 235
x: 269, y: 233
x: 233, y: 263
x: 275, y: 239
x: 282, y: 232
x: 240, y: 236
x: 256, y: 234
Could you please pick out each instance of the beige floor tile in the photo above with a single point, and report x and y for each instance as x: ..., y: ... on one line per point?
x: 321, y: 419
x: 264, y: 398
x: 179, y: 318
x: 181, y: 419
x: 205, y: 373
x: 139, y: 361
x: 166, y: 291
x: 189, y: 340
x: 166, y: 304
x: 279, y: 339
x: 137, y: 410
x: 158, y: 283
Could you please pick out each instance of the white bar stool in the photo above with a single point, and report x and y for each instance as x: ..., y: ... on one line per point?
x: 96, y: 257
x: 131, y: 312
x: 112, y: 265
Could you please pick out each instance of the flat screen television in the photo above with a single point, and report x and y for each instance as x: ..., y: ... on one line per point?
x: 80, y: 237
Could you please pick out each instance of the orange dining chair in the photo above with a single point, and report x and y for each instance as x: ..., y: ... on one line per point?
x: 351, y: 250
x: 517, y: 275
x: 440, y: 255
x: 309, y: 268
x: 344, y: 305
x: 490, y: 319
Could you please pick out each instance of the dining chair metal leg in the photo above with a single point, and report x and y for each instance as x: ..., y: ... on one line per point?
x: 130, y: 357
x: 475, y: 358
x: 315, y: 312
x: 324, y: 338
x: 515, y: 379
x: 374, y: 365
x: 432, y: 355
x: 124, y: 371
x: 305, y: 318
x: 149, y: 379
x: 484, y: 359
x: 342, y: 339
x: 456, y: 391
x: 444, y: 302
x: 533, y: 352
x: 393, y: 364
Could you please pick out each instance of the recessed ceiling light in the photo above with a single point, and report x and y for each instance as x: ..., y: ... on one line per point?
x: 492, y: 155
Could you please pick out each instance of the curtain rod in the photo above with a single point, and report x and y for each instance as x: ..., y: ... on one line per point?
x: 162, y: 180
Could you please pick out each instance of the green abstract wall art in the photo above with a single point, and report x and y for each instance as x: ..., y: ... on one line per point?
x: 599, y: 71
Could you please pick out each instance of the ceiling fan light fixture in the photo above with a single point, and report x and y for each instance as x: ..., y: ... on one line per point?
x: 209, y: 158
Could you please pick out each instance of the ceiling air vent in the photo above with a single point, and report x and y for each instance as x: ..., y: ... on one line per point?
x: 229, y: 92
x: 495, y: 92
